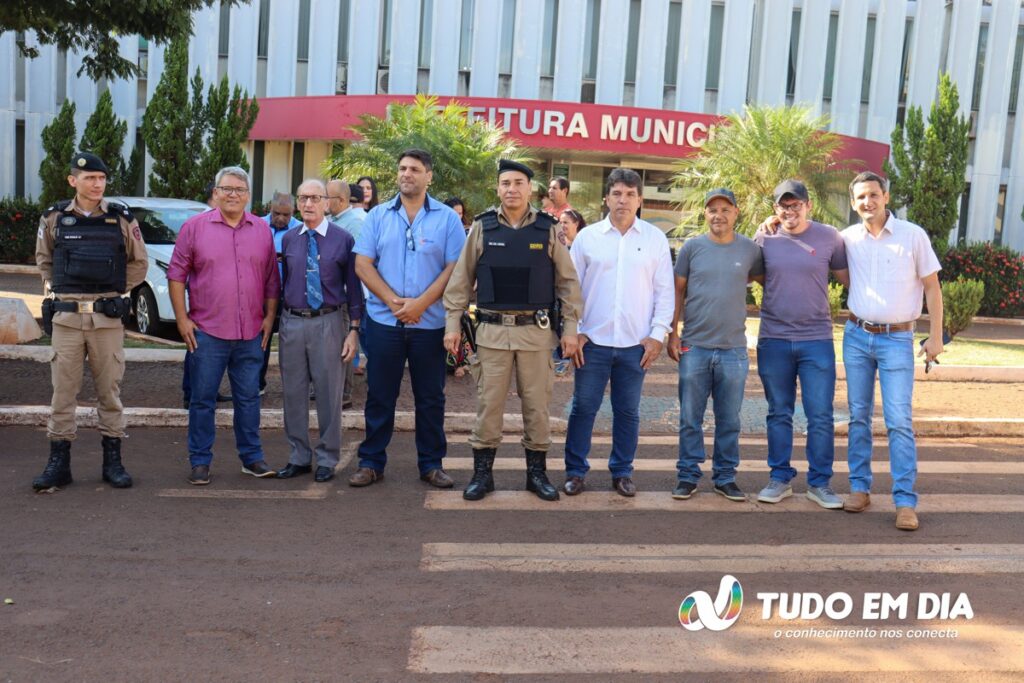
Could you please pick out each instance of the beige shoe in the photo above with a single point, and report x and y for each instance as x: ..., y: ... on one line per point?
x: 906, y: 519
x: 857, y: 502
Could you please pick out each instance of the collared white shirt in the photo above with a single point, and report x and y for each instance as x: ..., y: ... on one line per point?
x: 627, y: 283
x: 886, y: 271
x: 320, y: 229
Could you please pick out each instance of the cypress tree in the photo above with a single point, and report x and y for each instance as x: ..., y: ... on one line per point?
x: 228, y: 116
x: 166, y: 127
x: 104, y: 136
x: 59, y: 145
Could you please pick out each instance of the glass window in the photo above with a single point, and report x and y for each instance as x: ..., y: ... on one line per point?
x: 794, y: 48
x: 466, y: 36
x: 675, y: 20
x: 869, y: 59
x: 263, y: 35
x: 830, y: 54
x: 715, y: 47
x: 632, y: 37
x: 385, y: 34
x: 225, y: 30
x: 343, y: 22
x: 591, y: 39
x: 303, y: 46
x: 979, y: 71
x: 1015, y: 83
x: 162, y: 225
x: 508, y: 36
x: 19, y: 158
x: 549, y: 43
x: 905, y: 65
x: 426, y: 25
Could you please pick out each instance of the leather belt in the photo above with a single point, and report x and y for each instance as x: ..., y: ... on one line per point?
x: 312, y: 312
x: 506, y: 319
x: 881, y: 328
x: 76, y: 306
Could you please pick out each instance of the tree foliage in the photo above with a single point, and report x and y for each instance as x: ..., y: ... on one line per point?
x: 929, y: 163
x: 465, y: 151
x: 751, y: 153
x: 58, y: 147
x: 228, y: 116
x: 93, y: 27
x: 104, y: 136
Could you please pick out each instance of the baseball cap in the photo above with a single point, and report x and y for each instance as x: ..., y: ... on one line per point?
x: 720, y: 192
x: 791, y: 187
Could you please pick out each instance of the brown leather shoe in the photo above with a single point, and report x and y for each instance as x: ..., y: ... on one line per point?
x: 857, y: 502
x: 624, y: 486
x: 574, y: 486
x: 365, y: 476
x: 438, y: 478
x: 906, y: 519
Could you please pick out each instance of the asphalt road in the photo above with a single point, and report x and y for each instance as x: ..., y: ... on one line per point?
x: 289, y: 580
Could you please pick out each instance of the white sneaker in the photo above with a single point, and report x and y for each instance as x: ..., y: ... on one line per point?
x: 775, y: 492
x: 825, y: 497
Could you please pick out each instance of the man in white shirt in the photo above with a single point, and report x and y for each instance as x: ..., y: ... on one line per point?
x: 625, y: 271
x: 892, y: 264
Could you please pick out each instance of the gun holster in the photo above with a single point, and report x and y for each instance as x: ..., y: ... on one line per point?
x: 48, y: 311
x: 115, y: 307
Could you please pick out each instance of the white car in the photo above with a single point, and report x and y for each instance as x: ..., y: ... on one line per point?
x: 160, y: 220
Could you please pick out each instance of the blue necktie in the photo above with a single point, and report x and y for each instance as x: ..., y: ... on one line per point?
x: 314, y: 291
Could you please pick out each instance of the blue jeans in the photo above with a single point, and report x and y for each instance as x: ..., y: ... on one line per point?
x: 622, y: 367
x: 892, y: 355
x: 720, y: 374
x: 242, y: 359
x: 391, y: 348
x: 779, y: 363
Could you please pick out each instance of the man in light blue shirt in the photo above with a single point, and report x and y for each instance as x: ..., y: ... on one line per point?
x: 405, y: 254
x: 342, y: 213
x: 281, y: 219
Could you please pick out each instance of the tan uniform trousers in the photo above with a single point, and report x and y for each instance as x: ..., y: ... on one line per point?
x: 104, y: 347
x: 493, y: 370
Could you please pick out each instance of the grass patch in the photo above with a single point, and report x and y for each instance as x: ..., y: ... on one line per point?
x: 962, y: 351
x: 128, y: 344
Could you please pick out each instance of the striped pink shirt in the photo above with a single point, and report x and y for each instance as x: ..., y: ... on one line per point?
x: 229, y: 271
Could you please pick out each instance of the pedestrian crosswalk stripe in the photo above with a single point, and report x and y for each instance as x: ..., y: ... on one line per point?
x: 934, y: 558
x: 673, y: 440
x: 746, y: 647
x: 706, y: 501
x: 669, y: 465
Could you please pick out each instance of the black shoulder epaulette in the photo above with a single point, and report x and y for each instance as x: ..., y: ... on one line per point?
x: 545, y: 219
x: 488, y: 219
x: 59, y: 206
x: 480, y: 216
x: 118, y: 207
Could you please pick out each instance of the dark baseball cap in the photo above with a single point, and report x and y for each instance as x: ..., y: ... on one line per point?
x: 508, y: 165
x: 87, y: 161
x: 791, y: 187
x: 720, y: 192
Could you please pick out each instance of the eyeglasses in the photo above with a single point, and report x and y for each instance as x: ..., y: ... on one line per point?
x: 410, y: 241
x: 334, y: 196
x: 791, y: 206
x: 315, y: 198
x: 233, y: 191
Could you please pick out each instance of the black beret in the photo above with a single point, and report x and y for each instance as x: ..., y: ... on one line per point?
x: 87, y: 161
x: 509, y: 165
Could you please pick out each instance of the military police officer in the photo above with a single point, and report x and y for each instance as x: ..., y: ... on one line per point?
x: 90, y: 254
x: 520, y: 270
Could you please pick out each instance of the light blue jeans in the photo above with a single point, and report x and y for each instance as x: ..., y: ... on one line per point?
x: 892, y: 356
x: 720, y: 374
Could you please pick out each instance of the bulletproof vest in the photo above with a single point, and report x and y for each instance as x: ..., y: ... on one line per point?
x: 89, y: 254
x: 515, y: 271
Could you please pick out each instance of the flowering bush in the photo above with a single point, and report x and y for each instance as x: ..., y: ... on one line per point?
x: 19, y: 222
x: 1000, y: 269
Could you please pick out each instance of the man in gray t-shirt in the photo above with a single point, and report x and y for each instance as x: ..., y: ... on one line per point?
x: 712, y: 272
x: 795, y: 342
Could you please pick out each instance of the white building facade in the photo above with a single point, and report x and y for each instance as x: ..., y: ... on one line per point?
x: 862, y: 62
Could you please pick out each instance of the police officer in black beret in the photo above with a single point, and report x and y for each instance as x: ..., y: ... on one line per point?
x: 90, y: 254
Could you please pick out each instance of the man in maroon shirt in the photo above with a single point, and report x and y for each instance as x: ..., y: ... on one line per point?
x: 227, y: 257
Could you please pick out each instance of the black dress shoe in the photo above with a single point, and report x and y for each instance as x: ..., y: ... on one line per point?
x: 290, y: 470
x: 574, y: 486
x: 258, y: 469
x: 624, y: 486
x: 323, y: 474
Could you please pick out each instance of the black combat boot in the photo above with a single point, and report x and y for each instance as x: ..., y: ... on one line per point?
x: 537, y: 476
x: 482, y: 482
x: 113, y: 470
x: 58, y: 467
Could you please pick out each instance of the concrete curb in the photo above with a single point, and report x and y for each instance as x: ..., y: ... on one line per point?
x: 461, y: 423
x: 16, y: 269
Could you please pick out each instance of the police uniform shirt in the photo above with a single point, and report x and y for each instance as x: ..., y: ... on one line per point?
x: 135, y: 250
x: 519, y: 337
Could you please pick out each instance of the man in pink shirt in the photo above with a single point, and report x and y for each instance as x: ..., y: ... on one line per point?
x: 227, y: 257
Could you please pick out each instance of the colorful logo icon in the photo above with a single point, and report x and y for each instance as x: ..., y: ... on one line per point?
x: 697, y: 611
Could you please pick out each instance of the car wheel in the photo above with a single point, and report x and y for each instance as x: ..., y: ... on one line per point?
x: 147, y: 317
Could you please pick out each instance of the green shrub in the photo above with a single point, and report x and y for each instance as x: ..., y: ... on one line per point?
x: 1000, y: 269
x: 757, y: 291
x: 835, y: 298
x: 19, y: 223
x: 961, y: 300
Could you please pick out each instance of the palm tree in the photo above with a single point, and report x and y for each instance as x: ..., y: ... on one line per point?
x: 752, y: 153
x: 465, y: 151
